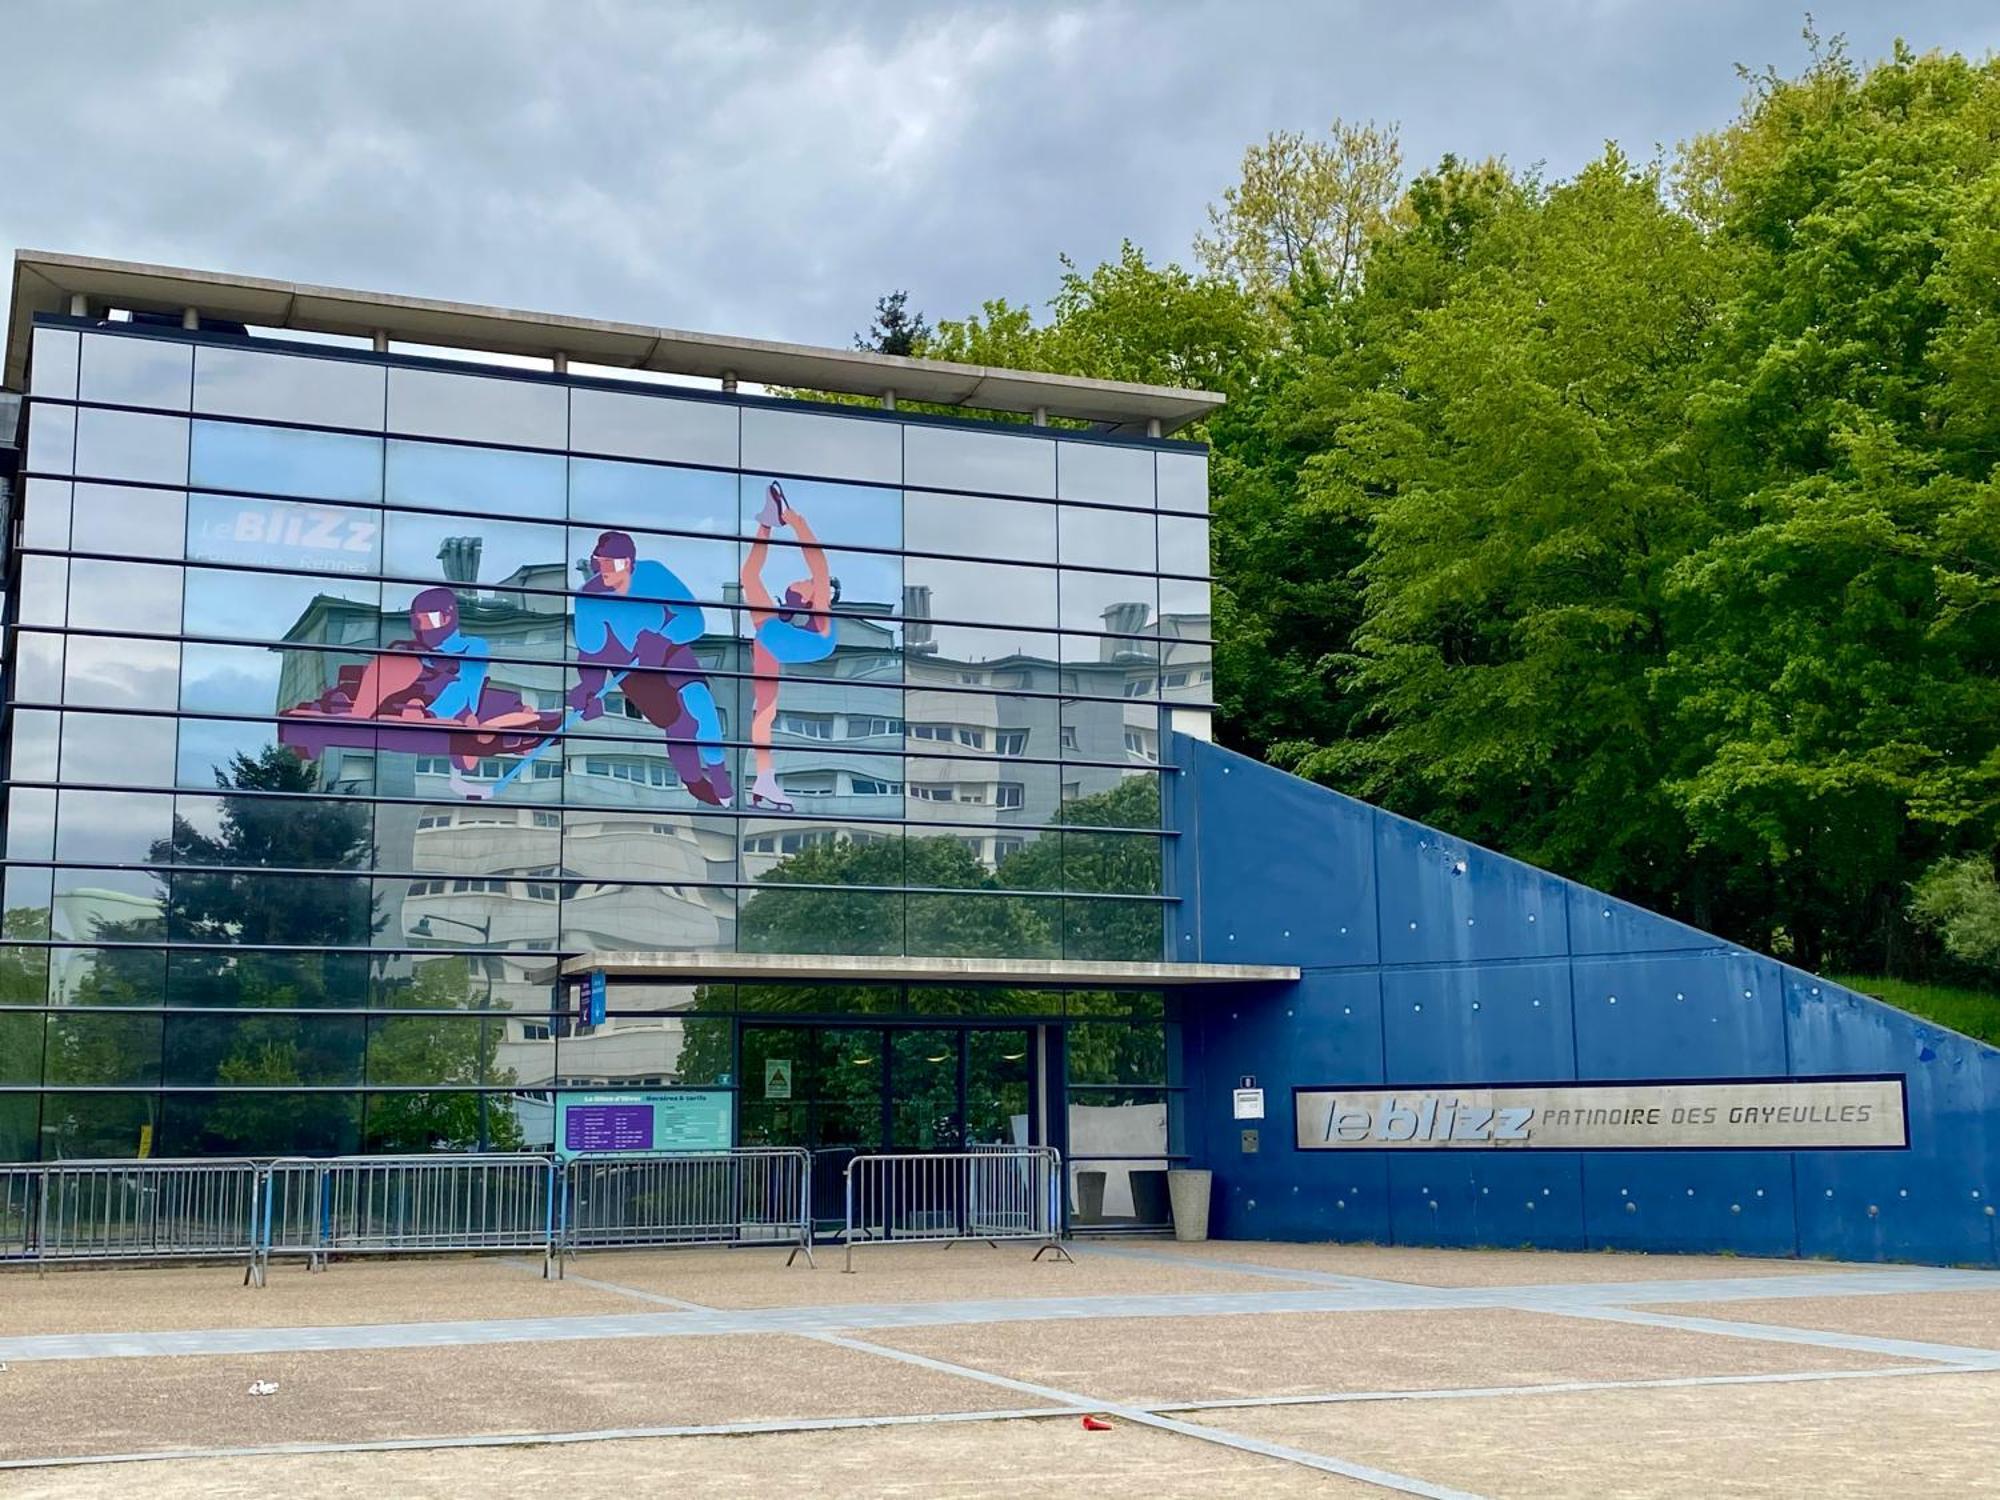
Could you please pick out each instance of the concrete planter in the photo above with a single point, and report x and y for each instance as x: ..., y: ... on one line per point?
x: 1188, y: 1188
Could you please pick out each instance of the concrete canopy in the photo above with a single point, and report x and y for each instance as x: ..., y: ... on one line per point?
x: 811, y: 968
x: 47, y: 282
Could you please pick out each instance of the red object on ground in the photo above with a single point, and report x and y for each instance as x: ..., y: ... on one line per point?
x: 1096, y: 1424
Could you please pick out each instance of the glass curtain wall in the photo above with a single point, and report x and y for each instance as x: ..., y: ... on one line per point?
x: 347, y: 696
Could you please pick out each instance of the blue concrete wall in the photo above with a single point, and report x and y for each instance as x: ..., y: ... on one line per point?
x: 1427, y: 960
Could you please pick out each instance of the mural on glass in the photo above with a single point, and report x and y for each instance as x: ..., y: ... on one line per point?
x: 795, y: 632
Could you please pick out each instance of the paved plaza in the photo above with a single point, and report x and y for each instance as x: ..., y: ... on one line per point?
x: 1279, y: 1369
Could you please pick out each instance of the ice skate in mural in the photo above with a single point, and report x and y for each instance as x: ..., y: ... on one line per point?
x: 428, y: 695
x: 635, y: 621
x: 788, y: 632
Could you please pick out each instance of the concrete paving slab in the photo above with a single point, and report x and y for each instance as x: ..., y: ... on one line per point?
x: 1053, y: 1459
x: 1915, y: 1435
x: 1470, y: 1268
x: 149, y: 1404
x: 1971, y: 1319
x: 896, y: 1273
x: 95, y: 1300
x: 1195, y: 1358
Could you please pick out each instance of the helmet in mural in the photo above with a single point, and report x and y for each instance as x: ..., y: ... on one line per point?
x: 434, y: 616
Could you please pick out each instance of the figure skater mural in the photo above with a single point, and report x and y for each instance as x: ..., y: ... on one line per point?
x: 427, y: 695
x: 635, y: 622
x: 790, y: 632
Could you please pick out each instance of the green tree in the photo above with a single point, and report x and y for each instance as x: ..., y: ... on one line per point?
x: 896, y: 330
x: 1305, y: 207
x: 1959, y: 899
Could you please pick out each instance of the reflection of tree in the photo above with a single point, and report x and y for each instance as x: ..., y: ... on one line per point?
x: 782, y: 919
x: 233, y: 900
x: 444, y: 1050
x: 1104, y: 863
x: 24, y: 972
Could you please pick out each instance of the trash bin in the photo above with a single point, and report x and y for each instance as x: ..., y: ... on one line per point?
x: 1188, y: 1187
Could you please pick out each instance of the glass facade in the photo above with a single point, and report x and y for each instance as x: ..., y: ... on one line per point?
x: 348, y: 696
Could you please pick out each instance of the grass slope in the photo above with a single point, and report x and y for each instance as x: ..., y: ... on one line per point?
x: 1974, y: 1012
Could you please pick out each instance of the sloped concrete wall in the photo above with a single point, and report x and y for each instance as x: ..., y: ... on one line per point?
x: 1429, y: 961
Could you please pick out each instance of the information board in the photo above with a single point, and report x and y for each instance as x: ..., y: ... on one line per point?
x: 656, y: 1120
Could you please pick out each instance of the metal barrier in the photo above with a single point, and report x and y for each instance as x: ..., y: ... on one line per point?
x: 128, y: 1210
x: 747, y: 1196
x: 990, y: 1193
x: 405, y: 1205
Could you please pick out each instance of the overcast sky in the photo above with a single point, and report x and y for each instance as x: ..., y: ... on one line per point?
x: 771, y: 168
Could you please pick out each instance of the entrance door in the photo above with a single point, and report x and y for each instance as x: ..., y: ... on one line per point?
x: 840, y: 1089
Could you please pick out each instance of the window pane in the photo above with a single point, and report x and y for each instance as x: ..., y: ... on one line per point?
x: 1184, y: 609
x: 662, y: 427
x: 31, y: 823
x: 788, y: 919
x: 673, y: 847
x: 283, y: 534
x: 984, y: 925
x: 1187, y: 673
x: 38, y: 668
x: 1105, y: 473
x: 406, y: 1123
x: 20, y: 1050
x: 989, y: 593
x: 440, y: 476
x: 836, y: 514
x: 286, y: 461
x: 481, y: 408
x: 433, y: 1048
x: 300, y: 981
x: 45, y: 511
x: 608, y: 915
x: 813, y: 851
x: 1111, y: 666
x: 108, y: 976
x: 117, y: 749
x: 956, y: 458
x: 32, y: 752
x: 302, y: 833
x: 1184, y: 545
x: 124, y: 596
x: 114, y: 828
x: 209, y: 747
x: 279, y: 606
x: 1183, y: 481
x: 257, y: 909
x: 440, y: 978
x: 463, y: 549
x: 51, y: 438
x: 797, y: 442
x: 136, y: 371
x: 1112, y: 1052
x: 121, y: 519
x: 276, y: 1122
x: 103, y: 673
x: 288, y: 388
x: 44, y: 590
x: 1107, y: 538
x: 980, y: 526
x: 1113, y: 602
x: 650, y: 1052
x: 1102, y: 792
x: 682, y: 568
x: 52, y: 360
x: 131, y: 445
x: 89, y: 1127
x: 1113, y: 931
x: 652, y: 496
x: 102, y: 1050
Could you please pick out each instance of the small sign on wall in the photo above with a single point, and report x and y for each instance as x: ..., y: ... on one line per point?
x: 777, y: 1078
x: 1249, y: 1104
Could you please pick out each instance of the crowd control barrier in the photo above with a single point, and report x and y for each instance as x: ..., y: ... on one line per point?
x: 128, y: 1210
x: 753, y: 1195
x: 407, y: 1205
x: 989, y: 1193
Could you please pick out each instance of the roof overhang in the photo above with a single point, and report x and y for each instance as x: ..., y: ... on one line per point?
x: 46, y: 282
x: 1071, y: 973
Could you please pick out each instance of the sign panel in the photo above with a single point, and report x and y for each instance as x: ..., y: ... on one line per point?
x: 664, y: 1120
x: 777, y: 1078
x: 290, y: 534
x: 1249, y: 1104
x: 1777, y: 1114
x: 597, y: 999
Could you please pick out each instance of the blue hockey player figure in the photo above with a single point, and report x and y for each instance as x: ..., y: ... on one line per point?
x: 638, y: 618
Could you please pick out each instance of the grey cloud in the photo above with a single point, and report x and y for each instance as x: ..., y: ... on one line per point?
x: 771, y: 169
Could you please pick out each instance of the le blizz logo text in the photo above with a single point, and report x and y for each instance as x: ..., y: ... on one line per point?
x: 1432, y: 1119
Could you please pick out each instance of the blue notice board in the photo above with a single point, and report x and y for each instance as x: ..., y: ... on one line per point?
x: 662, y: 1120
